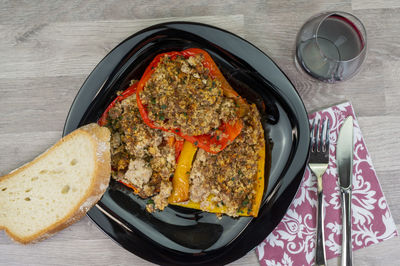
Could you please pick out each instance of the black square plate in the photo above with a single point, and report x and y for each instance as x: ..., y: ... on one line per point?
x: 178, y: 236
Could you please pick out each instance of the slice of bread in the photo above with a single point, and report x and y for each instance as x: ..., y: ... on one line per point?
x: 58, y: 187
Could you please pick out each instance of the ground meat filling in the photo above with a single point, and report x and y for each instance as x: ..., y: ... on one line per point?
x: 140, y: 155
x: 230, y: 176
x: 181, y: 94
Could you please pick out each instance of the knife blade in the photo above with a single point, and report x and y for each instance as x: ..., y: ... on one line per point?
x: 344, y: 160
x: 344, y: 153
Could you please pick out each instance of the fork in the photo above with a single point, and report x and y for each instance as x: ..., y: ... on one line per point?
x: 319, y: 159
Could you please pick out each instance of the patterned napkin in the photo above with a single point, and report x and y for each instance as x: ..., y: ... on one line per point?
x: 293, y: 241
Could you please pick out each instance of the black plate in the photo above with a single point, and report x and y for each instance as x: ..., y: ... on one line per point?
x: 178, y: 235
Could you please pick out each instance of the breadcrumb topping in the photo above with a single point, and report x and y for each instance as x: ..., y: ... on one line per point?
x: 181, y: 94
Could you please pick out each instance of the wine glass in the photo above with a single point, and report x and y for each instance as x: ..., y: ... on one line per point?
x: 331, y: 46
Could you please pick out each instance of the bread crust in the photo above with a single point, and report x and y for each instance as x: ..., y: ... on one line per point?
x: 100, y: 138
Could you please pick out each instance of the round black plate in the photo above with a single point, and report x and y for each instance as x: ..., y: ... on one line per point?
x: 177, y: 235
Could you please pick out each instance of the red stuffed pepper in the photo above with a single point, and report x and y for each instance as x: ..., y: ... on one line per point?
x: 214, y: 140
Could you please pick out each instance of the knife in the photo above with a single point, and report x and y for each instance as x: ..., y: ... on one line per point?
x: 344, y: 157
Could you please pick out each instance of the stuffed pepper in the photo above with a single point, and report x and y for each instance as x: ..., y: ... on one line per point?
x: 181, y: 135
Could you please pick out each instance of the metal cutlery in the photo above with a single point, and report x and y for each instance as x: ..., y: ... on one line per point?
x: 344, y: 157
x: 319, y: 159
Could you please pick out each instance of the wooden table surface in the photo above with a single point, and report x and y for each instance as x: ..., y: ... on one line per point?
x: 47, y: 49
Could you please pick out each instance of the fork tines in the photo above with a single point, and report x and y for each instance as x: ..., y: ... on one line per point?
x: 319, y: 135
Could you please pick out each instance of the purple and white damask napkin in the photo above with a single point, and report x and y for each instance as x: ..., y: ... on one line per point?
x: 293, y: 241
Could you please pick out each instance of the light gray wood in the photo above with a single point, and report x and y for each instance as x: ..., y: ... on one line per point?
x: 73, y: 48
x: 371, y: 4
x: 47, y: 49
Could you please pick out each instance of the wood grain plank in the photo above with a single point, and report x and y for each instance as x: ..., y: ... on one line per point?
x: 382, y: 39
x: 72, y: 252
x: 74, y: 48
x: 391, y: 85
x: 373, y: 4
x: 384, y: 253
x: 36, y: 104
x: 19, y: 12
x: 37, y: 12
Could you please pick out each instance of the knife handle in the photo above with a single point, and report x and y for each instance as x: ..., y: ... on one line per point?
x: 346, y: 227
